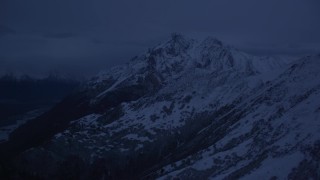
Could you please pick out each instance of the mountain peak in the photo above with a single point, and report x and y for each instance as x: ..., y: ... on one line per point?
x: 212, y: 41
x: 178, y: 38
x: 180, y: 53
x: 176, y: 45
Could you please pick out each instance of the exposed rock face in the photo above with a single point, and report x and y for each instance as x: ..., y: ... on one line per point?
x: 187, y: 109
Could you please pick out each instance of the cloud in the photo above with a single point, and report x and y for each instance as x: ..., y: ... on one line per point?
x: 6, y: 30
x: 60, y: 35
x: 78, y: 55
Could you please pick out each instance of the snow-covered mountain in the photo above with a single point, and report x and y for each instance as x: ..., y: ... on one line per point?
x: 186, y: 108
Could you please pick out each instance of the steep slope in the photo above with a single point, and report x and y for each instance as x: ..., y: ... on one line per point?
x: 175, y: 100
x: 273, y: 134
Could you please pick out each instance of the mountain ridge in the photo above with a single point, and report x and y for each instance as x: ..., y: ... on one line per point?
x: 185, y: 109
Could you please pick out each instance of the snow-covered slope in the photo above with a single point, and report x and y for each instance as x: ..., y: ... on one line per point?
x: 182, y: 78
x: 194, y: 109
x: 275, y: 133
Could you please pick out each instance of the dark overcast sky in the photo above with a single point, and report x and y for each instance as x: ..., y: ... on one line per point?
x: 89, y: 35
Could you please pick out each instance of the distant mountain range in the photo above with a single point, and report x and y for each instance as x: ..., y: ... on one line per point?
x: 22, y: 96
x: 185, y: 109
